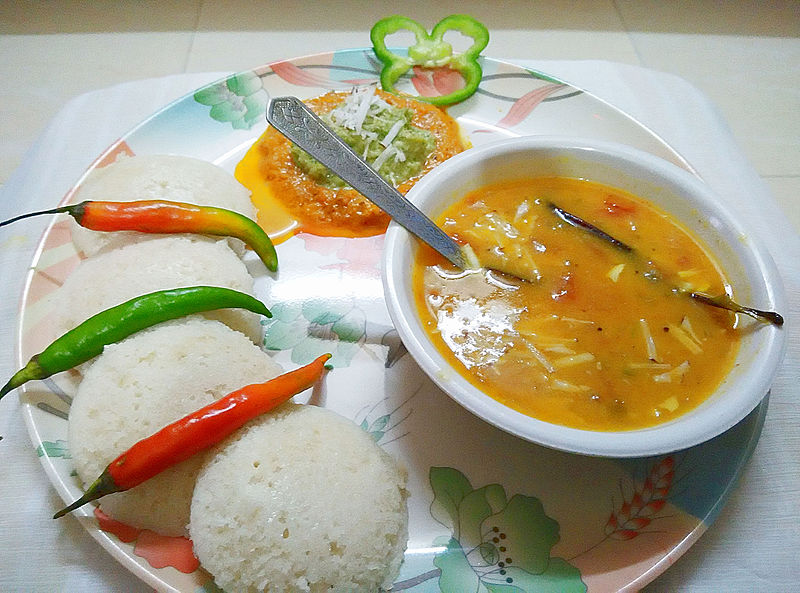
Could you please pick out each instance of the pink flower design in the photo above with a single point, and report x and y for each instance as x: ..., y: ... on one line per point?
x: 648, y: 498
x: 159, y: 550
x: 437, y: 81
x: 523, y: 106
x: 297, y: 76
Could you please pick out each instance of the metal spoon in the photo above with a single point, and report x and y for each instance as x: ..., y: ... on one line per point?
x: 292, y: 118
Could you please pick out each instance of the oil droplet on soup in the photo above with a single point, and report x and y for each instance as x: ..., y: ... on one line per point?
x: 598, y: 340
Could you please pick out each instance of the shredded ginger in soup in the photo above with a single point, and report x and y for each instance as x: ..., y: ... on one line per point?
x: 597, y: 339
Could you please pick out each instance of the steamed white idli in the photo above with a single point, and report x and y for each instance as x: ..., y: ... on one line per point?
x: 158, y: 177
x: 140, y: 385
x: 301, y: 499
x: 116, y: 276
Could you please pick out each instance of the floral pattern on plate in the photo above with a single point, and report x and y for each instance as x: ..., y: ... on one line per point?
x: 488, y: 512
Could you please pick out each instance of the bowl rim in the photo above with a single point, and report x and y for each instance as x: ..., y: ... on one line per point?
x: 699, y: 425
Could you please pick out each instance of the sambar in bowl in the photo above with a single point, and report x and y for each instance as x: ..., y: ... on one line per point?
x: 595, y: 344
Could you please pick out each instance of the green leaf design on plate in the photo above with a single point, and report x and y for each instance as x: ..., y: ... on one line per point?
x: 287, y: 327
x: 316, y: 327
x: 255, y: 108
x: 212, y: 95
x: 311, y: 347
x: 379, y: 423
x: 352, y: 327
x: 325, y: 312
x: 457, y: 575
x: 498, y: 545
x: 543, y: 76
x: 239, y: 100
x: 528, y: 532
x: 244, y: 84
x: 476, y: 507
x: 450, y: 487
x: 504, y: 588
x: 53, y: 449
x: 344, y: 354
x: 377, y: 429
x: 560, y: 577
x: 286, y: 311
x: 489, y: 553
x: 226, y: 111
x: 282, y: 335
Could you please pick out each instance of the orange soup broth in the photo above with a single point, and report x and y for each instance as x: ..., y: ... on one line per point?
x: 597, y: 342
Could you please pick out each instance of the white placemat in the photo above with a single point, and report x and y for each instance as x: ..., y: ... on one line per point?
x: 751, y: 547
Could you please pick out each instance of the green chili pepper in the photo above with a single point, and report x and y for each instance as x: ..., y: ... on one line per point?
x: 112, y: 325
x: 431, y: 51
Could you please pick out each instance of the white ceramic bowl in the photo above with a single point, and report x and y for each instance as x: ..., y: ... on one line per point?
x: 747, y: 263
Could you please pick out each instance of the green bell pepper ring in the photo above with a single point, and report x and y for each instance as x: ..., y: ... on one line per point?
x: 431, y: 51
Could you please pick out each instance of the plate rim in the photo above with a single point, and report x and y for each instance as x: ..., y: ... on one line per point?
x: 148, y: 575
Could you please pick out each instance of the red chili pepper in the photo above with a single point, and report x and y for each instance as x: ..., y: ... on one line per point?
x: 197, y: 432
x: 161, y: 216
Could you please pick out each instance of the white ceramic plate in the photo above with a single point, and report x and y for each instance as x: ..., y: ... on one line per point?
x: 488, y: 511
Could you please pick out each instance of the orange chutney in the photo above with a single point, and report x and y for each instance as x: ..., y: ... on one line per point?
x: 598, y: 340
x: 289, y: 201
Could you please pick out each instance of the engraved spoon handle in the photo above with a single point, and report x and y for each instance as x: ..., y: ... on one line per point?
x: 292, y: 118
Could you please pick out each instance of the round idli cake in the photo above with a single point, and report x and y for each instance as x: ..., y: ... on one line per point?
x: 300, y: 500
x: 115, y: 276
x: 158, y: 177
x: 138, y: 386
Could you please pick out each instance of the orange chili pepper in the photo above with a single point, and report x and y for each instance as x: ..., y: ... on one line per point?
x: 162, y: 216
x: 197, y: 432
